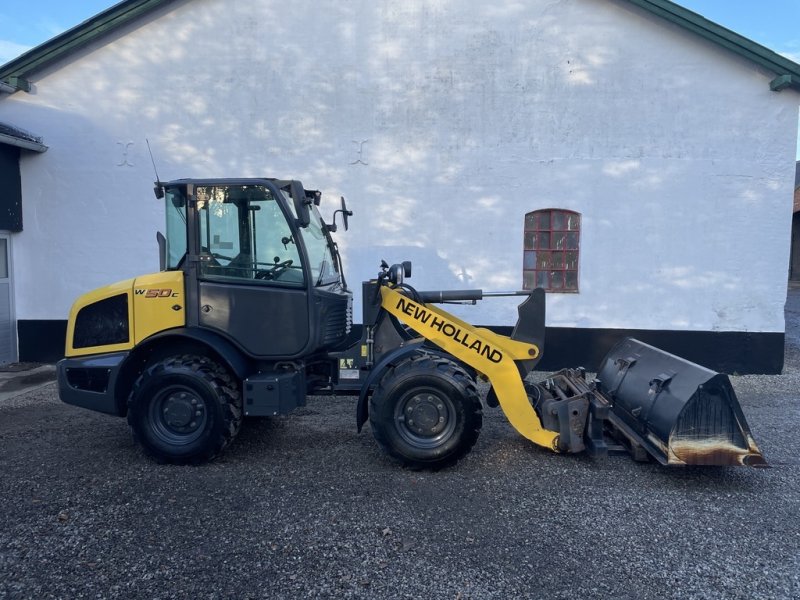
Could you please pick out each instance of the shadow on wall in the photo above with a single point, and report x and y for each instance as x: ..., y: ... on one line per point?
x: 427, y: 266
x: 90, y: 216
x: 442, y: 124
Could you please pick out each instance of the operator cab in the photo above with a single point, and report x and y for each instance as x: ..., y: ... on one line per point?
x: 260, y: 262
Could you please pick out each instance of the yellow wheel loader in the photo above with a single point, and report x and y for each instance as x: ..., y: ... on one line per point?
x: 250, y: 313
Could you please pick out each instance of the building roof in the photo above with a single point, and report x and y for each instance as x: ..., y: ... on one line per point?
x: 14, y: 136
x: 787, y: 72
x: 15, y: 75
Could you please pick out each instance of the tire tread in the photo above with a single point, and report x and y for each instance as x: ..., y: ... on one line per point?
x: 421, y: 365
x: 225, y: 389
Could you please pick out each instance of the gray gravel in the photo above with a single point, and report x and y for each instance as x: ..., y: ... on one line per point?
x: 303, y: 506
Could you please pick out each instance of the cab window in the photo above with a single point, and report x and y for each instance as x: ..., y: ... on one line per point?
x: 245, y: 236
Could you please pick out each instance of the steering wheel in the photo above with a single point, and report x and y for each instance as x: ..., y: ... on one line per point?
x: 274, y: 271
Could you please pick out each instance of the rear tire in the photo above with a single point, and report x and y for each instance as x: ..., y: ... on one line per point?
x: 425, y: 412
x: 185, y: 410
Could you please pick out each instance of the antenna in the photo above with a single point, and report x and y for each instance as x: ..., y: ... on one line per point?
x: 158, y: 189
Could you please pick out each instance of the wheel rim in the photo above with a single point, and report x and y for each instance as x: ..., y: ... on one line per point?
x: 178, y: 415
x: 425, y: 418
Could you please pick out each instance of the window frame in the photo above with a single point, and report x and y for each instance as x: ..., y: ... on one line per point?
x: 551, y: 250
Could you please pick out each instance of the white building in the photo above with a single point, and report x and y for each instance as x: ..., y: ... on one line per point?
x: 667, y: 141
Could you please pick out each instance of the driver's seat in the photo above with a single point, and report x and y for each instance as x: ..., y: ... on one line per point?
x: 241, y: 266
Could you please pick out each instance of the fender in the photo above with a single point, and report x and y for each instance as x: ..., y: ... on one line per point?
x: 218, y: 346
x: 227, y: 351
x: 122, y: 368
x: 362, y: 410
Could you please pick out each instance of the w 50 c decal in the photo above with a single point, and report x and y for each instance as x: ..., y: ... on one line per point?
x: 157, y: 293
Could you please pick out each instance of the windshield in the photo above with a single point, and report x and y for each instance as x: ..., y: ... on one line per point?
x: 320, y: 259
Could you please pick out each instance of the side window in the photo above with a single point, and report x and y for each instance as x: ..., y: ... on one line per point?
x: 551, y: 250
x: 244, y: 235
x: 176, y: 228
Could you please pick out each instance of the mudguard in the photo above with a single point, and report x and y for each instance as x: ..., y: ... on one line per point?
x: 232, y: 356
x: 362, y: 409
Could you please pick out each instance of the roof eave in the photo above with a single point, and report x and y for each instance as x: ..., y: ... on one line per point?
x: 787, y: 71
x: 10, y: 140
x: 14, y: 74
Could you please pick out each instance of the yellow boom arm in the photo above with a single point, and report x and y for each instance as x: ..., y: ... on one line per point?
x: 491, y: 354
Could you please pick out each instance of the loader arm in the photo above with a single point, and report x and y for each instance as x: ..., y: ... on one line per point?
x: 490, y: 354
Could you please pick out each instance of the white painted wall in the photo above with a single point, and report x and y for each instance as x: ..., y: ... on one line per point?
x: 468, y: 114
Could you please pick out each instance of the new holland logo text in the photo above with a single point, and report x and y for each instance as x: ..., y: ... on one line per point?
x: 157, y: 293
x: 426, y: 317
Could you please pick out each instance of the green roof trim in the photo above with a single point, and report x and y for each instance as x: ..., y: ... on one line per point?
x: 781, y: 82
x: 16, y: 73
x: 787, y: 71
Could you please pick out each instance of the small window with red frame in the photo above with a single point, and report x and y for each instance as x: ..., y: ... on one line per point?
x: 552, y: 249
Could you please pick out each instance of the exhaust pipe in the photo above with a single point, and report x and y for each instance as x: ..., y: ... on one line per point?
x: 679, y: 412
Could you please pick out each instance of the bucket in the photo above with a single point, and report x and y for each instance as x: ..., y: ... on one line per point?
x: 680, y: 412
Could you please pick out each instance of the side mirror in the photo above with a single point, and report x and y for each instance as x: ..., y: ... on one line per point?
x: 162, y: 251
x: 345, y: 213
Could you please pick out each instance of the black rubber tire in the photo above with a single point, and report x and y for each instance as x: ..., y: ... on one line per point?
x: 443, y: 399
x: 185, y: 410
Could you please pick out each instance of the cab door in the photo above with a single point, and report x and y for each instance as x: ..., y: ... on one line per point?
x: 252, y: 284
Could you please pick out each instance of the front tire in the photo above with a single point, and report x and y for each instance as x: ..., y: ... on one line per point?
x: 425, y: 412
x: 185, y: 410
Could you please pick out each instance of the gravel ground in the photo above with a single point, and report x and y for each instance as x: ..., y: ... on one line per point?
x: 303, y: 506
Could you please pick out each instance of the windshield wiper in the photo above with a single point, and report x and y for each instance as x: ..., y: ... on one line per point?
x: 323, y: 267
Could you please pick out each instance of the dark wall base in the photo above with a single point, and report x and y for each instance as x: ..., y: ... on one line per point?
x: 41, y: 340
x: 727, y: 351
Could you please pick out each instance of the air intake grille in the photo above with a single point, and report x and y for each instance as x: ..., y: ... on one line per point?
x: 92, y: 380
x: 102, y: 323
x: 339, y: 321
